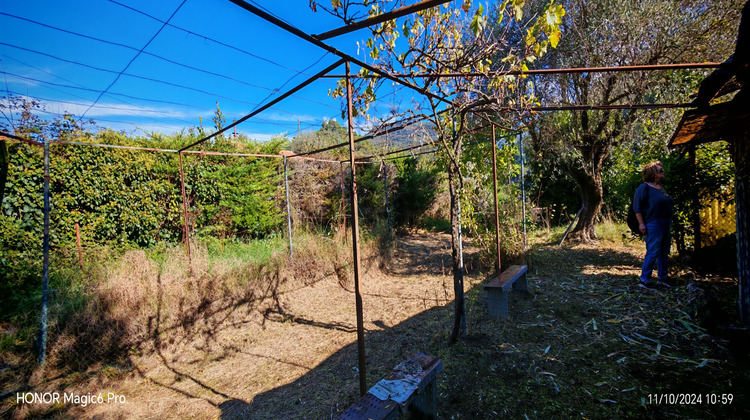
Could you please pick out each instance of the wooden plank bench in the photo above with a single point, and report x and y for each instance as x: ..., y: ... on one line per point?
x: 409, y: 389
x: 497, y: 297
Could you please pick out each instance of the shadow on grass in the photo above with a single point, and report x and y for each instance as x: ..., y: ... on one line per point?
x: 586, y: 342
x: 332, y: 386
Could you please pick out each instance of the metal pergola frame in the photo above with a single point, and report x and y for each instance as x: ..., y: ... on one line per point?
x: 396, y: 78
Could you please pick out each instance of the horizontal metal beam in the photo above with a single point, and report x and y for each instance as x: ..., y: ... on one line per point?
x: 4, y: 136
x: 419, y: 146
x: 586, y: 107
x: 542, y: 109
x: 117, y: 146
x: 645, y: 67
x: 406, y: 10
x: 394, y: 127
x: 371, y: 136
x: 309, y: 38
x: 268, y: 105
x: 196, y: 152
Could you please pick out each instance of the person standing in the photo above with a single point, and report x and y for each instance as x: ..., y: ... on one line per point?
x: 653, y: 208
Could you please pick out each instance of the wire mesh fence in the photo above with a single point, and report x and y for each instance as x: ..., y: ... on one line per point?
x: 120, y: 285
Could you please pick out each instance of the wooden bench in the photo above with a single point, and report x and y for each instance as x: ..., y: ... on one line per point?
x: 409, y: 389
x: 497, y: 287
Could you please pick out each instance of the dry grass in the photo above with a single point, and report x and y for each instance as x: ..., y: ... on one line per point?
x: 292, y: 353
x: 179, y: 346
x: 138, y: 309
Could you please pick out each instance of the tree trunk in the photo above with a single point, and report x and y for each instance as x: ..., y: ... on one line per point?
x: 458, y: 274
x: 592, y: 199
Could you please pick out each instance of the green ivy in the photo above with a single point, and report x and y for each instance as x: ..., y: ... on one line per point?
x: 125, y: 196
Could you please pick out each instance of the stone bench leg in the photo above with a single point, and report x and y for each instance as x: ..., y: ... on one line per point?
x: 497, y: 302
x: 426, y: 402
x: 521, y: 285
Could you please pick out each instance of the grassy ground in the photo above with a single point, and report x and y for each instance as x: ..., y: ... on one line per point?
x: 589, y: 343
x: 586, y: 343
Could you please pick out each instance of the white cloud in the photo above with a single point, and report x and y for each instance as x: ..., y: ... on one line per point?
x: 153, y: 127
x: 120, y: 110
x: 278, y: 116
x: 26, y: 81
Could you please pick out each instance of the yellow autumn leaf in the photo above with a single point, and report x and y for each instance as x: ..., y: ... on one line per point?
x: 552, y: 19
x: 554, y: 38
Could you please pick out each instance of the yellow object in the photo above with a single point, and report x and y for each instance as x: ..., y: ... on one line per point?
x: 717, y: 220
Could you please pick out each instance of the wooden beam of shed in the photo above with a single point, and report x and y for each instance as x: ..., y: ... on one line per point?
x: 704, y: 125
x: 406, y: 10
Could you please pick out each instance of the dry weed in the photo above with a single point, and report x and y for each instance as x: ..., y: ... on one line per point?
x: 140, y: 307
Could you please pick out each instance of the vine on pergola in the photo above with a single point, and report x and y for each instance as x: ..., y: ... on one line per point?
x: 454, y: 39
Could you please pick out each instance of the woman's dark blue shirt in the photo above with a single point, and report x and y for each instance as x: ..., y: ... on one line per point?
x: 653, y: 205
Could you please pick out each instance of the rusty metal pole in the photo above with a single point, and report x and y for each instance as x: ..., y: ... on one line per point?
x: 78, y: 242
x: 387, y: 207
x: 186, y: 231
x: 460, y: 250
x: 494, y: 190
x: 355, y: 238
x: 45, y: 260
x: 342, y: 221
x: 288, y: 210
x: 385, y: 179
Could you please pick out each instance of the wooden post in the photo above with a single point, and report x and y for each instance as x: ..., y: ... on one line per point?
x: 697, y: 237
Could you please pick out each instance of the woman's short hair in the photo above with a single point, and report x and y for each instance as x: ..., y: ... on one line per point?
x: 650, y: 171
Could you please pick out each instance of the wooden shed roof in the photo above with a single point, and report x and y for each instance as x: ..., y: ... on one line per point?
x: 710, y: 123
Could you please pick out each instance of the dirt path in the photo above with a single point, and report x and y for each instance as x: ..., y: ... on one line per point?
x: 297, y: 360
x: 419, y: 254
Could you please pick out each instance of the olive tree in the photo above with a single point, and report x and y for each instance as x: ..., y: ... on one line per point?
x: 620, y: 33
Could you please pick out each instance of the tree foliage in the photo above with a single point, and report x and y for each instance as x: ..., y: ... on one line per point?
x: 477, y: 201
x: 619, y: 34
x: 417, y: 190
x: 455, y: 40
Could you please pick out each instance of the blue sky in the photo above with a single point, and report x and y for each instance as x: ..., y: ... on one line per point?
x: 67, y: 53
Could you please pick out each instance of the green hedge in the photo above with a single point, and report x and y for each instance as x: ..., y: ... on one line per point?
x: 133, y: 197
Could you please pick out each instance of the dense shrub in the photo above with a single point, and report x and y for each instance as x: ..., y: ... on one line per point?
x: 133, y: 196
